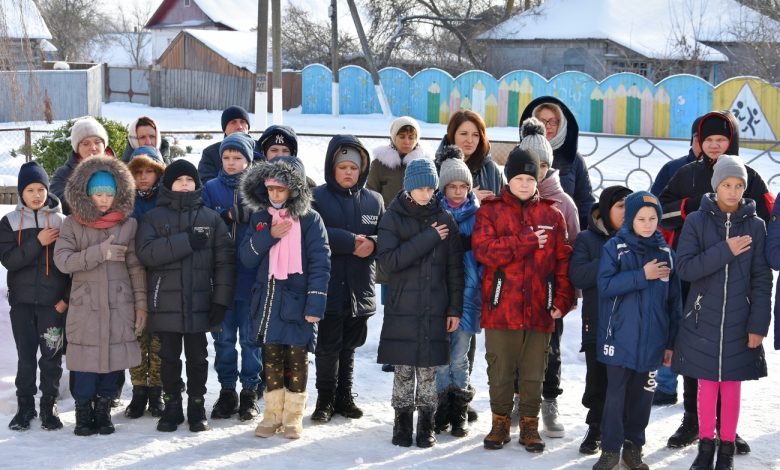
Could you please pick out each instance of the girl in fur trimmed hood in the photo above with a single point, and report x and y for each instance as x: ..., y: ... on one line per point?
x: 287, y: 243
x: 107, y: 308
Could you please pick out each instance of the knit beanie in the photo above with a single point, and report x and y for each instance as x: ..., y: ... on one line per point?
x: 725, y: 166
x: 86, y: 127
x: 31, y: 172
x: 714, y: 124
x: 241, y: 142
x: 638, y: 200
x: 420, y: 173
x: 347, y: 153
x: 101, y: 182
x: 534, y: 141
x: 146, y: 156
x: 521, y: 162
x: 234, y: 112
x: 695, y: 128
x: 180, y: 167
x: 608, y: 198
x: 402, y: 122
x: 452, y: 167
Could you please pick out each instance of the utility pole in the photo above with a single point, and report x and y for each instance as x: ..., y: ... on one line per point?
x: 380, y: 93
x: 276, y: 20
x: 334, y: 61
x: 261, y: 68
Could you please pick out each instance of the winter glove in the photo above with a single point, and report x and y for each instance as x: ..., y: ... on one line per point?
x: 216, y: 315
x: 465, y: 240
x: 198, y: 238
x: 112, y: 252
x: 225, y: 214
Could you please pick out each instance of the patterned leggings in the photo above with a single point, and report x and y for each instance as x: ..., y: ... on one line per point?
x: 284, y: 363
x: 407, y: 394
x: 147, y: 373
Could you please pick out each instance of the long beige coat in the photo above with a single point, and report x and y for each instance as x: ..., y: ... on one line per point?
x: 105, y: 293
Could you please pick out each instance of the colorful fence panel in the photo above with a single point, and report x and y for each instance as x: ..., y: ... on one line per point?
x: 623, y: 103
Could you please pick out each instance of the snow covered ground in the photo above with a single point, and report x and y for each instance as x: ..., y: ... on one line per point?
x: 363, y: 443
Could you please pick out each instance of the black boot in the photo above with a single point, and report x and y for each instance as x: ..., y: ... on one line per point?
x: 741, y: 446
x: 137, y: 405
x: 226, y: 405
x: 425, y: 435
x: 725, y: 456
x: 592, y: 442
x: 687, y: 433
x: 25, y: 414
x: 85, y: 418
x: 50, y: 417
x: 706, y: 456
x: 459, y: 405
x: 156, y: 403
x: 196, y: 414
x: 441, y: 420
x: 473, y: 416
x: 344, y: 403
x: 173, y: 414
x: 116, y: 400
x: 323, y: 412
x: 402, y: 427
x: 103, y: 422
x: 247, y: 408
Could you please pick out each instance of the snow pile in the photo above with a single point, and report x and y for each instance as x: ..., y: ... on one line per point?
x: 237, y: 47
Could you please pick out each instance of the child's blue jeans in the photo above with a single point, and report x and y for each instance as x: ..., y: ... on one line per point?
x: 236, y: 326
x: 456, y: 373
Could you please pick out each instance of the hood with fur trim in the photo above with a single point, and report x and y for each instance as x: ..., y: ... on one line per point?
x: 255, y: 194
x: 76, y: 188
x: 389, y: 156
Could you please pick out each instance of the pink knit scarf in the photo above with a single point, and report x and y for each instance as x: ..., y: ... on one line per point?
x: 285, y: 255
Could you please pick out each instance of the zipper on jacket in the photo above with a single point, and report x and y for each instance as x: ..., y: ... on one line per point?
x: 609, y: 322
x: 723, y: 310
x: 156, y: 291
x: 696, y: 308
x: 269, y: 302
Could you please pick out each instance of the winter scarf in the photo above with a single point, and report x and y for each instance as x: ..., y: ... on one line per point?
x: 150, y: 192
x: 285, y: 256
x: 560, y: 137
x: 231, y: 181
x: 107, y: 220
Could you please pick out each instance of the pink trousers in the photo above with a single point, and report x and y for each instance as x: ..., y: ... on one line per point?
x: 729, y: 409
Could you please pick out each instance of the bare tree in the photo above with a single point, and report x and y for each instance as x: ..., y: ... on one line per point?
x: 305, y: 41
x: 129, y: 33
x: 74, y: 24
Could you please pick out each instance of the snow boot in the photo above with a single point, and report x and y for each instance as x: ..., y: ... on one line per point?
x: 608, y: 461
x: 272, y: 414
x: 725, y: 456
x: 137, y: 405
x: 741, y: 446
x: 247, y: 407
x: 226, y: 405
x: 529, y: 434
x: 550, y: 424
x: 592, y: 442
x: 441, y: 420
x: 632, y: 456
x: 662, y: 398
x: 345, y: 404
x: 85, y: 418
x: 103, y: 422
x: 402, y: 427
x: 50, y: 416
x: 173, y: 414
x: 156, y: 403
x: 196, y: 414
x: 323, y: 411
x: 686, y: 434
x: 292, y: 414
x: 459, y: 404
x: 706, y: 456
x: 499, y: 433
x: 473, y: 415
x: 425, y: 434
x: 25, y: 414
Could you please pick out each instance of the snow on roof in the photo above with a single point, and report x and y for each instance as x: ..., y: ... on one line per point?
x: 237, y: 47
x: 109, y: 49
x: 241, y: 15
x: 21, y: 19
x: 46, y: 46
x: 649, y: 27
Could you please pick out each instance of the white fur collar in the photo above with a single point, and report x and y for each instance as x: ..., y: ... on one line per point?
x: 389, y: 157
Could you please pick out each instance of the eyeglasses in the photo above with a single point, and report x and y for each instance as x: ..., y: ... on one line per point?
x: 550, y: 122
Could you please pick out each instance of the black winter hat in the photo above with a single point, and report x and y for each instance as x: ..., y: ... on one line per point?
x: 279, y: 135
x: 180, y: 167
x: 31, y: 172
x: 521, y: 162
x: 234, y: 112
x: 714, y: 124
x: 608, y: 198
x: 695, y: 128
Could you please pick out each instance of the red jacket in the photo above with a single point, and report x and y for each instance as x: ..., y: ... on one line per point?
x: 522, y: 282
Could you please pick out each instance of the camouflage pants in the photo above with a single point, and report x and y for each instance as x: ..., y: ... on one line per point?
x: 147, y: 373
x: 407, y: 394
x: 285, y: 364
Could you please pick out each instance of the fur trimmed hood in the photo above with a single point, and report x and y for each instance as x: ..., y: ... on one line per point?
x: 389, y: 156
x: 76, y: 188
x: 255, y: 194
